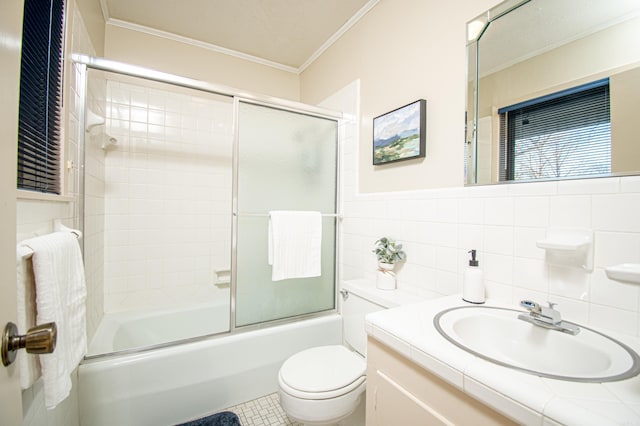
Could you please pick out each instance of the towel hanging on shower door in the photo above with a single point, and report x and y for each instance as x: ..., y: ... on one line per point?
x: 295, y: 244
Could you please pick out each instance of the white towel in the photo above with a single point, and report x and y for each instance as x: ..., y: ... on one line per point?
x: 60, y: 298
x: 28, y: 365
x: 295, y: 244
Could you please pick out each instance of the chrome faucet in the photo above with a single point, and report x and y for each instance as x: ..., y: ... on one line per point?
x: 546, y: 317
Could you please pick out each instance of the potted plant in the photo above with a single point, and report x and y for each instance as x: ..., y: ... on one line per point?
x: 388, y: 253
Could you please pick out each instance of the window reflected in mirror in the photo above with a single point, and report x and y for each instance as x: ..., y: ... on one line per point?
x: 562, y: 135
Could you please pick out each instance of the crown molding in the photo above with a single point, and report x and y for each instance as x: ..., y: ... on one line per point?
x: 201, y: 44
x: 336, y: 36
x: 105, y: 10
x: 234, y: 53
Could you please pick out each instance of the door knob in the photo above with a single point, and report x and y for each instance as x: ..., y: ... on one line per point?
x: 38, y: 340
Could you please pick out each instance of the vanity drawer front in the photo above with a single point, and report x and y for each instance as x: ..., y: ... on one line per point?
x: 401, y: 392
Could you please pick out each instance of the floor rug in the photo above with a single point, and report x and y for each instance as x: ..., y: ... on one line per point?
x: 226, y: 418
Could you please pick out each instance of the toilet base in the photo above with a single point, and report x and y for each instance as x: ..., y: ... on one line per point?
x: 357, y: 418
x: 346, y: 410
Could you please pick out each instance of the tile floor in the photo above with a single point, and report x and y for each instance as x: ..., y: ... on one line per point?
x: 265, y: 411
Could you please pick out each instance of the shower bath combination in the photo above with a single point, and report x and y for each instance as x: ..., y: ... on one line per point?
x: 179, y: 177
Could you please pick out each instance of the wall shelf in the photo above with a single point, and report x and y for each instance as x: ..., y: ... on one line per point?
x: 625, y: 272
x: 568, y: 247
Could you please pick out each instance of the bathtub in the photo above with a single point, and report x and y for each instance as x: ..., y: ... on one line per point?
x: 169, y: 385
x: 120, y: 331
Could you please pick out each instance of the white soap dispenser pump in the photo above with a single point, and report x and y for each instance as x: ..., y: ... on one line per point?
x: 473, y: 284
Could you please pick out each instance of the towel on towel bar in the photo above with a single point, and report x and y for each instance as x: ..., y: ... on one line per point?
x: 60, y: 293
x: 295, y: 244
x: 28, y: 365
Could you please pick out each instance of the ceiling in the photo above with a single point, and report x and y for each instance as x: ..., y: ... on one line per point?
x: 284, y: 33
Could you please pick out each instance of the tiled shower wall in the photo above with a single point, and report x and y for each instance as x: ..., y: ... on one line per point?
x: 94, y: 187
x: 167, y: 196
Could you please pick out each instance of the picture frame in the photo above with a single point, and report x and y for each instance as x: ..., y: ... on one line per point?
x: 400, y: 134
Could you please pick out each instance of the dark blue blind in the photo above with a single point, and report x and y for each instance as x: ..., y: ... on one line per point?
x: 564, y: 134
x: 39, y: 127
x: 555, y: 96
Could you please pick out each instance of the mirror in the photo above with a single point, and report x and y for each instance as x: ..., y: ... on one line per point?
x: 553, y: 90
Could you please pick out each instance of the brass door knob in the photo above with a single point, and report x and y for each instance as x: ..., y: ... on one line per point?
x: 38, y: 340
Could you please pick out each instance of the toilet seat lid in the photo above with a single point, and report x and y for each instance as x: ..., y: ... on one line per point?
x: 322, y: 369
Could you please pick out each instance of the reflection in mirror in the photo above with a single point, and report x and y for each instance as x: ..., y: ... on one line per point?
x: 553, y: 90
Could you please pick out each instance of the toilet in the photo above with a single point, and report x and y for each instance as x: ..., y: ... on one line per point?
x: 326, y: 384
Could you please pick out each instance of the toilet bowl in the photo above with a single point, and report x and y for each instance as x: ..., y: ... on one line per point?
x: 322, y: 385
x: 326, y: 384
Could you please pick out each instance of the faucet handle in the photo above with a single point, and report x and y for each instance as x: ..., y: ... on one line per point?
x: 551, y: 304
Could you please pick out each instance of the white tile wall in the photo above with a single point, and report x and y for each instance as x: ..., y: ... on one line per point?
x: 167, y: 196
x: 94, y: 204
x: 502, y: 222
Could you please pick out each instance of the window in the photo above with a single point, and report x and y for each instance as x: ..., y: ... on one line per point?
x: 39, y: 129
x: 559, y: 135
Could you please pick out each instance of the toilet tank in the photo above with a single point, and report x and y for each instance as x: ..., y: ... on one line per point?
x: 361, y: 297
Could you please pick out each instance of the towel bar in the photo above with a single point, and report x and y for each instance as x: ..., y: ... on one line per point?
x: 26, y: 252
x: 267, y: 215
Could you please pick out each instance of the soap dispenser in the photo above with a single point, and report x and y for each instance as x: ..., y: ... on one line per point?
x: 473, y: 284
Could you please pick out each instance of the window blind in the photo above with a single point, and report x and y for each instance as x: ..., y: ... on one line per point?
x: 561, y: 135
x: 39, y: 130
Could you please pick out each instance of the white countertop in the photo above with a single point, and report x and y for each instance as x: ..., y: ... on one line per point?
x: 526, y: 398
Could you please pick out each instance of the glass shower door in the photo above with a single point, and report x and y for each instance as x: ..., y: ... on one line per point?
x: 286, y: 161
x: 158, y: 171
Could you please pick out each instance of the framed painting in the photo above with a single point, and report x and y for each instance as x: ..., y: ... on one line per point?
x: 400, y: 134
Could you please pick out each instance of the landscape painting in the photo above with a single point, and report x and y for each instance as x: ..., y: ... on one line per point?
x: 400, y: 134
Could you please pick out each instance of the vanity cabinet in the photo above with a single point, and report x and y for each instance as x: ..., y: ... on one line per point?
x: 399, y: 392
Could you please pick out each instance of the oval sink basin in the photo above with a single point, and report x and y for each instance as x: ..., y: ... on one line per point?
x: 498, y: 336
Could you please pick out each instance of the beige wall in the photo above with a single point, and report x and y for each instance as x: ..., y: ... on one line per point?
x: 625, y: 104
x: 403, y: 50
x: 135, y: 47
x: 94, y: 20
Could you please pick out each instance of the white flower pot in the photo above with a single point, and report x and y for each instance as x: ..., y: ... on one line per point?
x: 386, y: 266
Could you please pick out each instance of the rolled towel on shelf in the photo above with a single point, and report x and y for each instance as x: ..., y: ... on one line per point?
x: 295, y: 244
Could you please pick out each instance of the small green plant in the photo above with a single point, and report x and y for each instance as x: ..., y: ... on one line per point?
x: 388, y: 251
